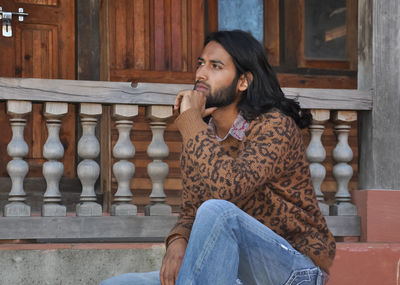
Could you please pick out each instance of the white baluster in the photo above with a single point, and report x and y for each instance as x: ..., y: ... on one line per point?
x: 17, y: 168
x: 53, y: 170
x: 88, y: 169
x: 316, y: 154
x: 342, y: 171
x: 123, y: 169
x: 158, y: 150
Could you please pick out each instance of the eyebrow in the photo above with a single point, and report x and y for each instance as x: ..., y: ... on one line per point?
x: 212, y: 61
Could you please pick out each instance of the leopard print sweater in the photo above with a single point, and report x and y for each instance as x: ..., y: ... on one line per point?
x: 266, y: 175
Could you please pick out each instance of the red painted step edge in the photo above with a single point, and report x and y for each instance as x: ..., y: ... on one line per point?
x: 366, y: 264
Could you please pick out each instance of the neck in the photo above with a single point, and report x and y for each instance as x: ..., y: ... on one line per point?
x: 223, y: 119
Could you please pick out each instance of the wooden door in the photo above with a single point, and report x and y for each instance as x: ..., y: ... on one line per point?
x: 41, y: 46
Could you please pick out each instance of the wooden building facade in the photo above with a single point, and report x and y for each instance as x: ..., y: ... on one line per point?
x: 157, y: 41
x: 98, y: 40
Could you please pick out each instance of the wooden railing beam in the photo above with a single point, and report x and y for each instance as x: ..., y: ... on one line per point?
x: 104, y: 92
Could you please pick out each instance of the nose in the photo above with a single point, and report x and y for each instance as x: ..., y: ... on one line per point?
x: 201, y: 73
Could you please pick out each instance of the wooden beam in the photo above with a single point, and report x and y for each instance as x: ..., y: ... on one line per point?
x: 271, y: 31
x: 135, y: 75
x: 102, y: 92
x: 211, y: 20
x: 285, y: 79
x: 332, y: 99
x: 317, y: 81
x: 106, y: 157
x: 88, y: 38
x: 104, y: 41
x: 106, y: 228
x: 292, y: 29
x: 379, y: 61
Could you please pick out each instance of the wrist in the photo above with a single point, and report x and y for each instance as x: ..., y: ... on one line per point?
x: 190, y: 123
x: 175, y: 239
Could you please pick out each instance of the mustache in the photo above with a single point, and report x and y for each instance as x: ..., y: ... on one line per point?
x: 203, y: 83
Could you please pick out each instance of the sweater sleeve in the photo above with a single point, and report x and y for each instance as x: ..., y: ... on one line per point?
x: 189, y: 206
x: 193, y: 124
x: 262, y: 158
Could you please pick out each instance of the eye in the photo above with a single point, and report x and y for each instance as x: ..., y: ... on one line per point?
x: 200, y: 63
x: 216, y: 66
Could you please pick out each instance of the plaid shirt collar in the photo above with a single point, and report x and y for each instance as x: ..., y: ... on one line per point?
x: 237, y: 130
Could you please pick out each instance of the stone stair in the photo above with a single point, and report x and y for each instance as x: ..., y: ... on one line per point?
x: 87, y: 264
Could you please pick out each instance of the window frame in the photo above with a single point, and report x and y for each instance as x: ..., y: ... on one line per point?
x: 351, y: 45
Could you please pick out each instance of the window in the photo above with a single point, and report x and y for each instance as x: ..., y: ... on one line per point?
x: 329, y: 36
x: 325, y: 29
x: 242, y: 15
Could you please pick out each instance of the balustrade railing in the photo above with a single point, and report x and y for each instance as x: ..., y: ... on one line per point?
x: 342, y: 155
x: 337, y: 106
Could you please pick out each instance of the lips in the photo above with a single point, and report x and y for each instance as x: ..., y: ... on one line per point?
x: 201, y: 87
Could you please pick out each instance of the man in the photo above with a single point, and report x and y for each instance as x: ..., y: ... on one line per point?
x: 249, y: 211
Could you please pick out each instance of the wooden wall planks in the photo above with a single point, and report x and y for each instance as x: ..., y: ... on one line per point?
x: 162, y: 36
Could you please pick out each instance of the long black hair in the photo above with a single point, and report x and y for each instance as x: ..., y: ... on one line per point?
x: 263, y: 92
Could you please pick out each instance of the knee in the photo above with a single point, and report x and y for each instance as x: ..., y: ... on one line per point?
x: 213, y: 208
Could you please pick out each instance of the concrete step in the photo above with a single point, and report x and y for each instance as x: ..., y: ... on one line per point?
x: 86, y: 264
x: 74, y: 264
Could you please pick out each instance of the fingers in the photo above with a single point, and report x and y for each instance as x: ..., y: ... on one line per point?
x: 177, y: 269
x: 180, y: 98
x: 168, y: 277
x: 187, y: 99
x: 178, y: 101
x: 168, y: 273
x: 209, y: 111
x: 172, y: 262
x: 162, y: 272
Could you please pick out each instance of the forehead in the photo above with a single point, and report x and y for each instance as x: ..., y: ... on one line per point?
x: 215, y: 51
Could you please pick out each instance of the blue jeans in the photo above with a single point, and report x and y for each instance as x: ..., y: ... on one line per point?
x: 226, y: 244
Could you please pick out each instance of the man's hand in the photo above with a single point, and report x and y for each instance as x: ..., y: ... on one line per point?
x: 187, y: 99
x: 172, y: 262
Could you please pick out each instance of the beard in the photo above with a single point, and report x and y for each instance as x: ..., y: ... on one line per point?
x: 223, y: 96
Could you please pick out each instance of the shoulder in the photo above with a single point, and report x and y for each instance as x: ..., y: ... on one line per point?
x: 272, y: 123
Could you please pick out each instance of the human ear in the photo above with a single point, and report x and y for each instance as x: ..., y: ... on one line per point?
x: 244, y: 81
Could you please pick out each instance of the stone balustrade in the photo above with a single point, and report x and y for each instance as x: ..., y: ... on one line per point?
x: 342, y: 155
x: 336, y: 106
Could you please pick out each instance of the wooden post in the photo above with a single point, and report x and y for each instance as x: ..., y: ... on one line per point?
x: 378, y: 70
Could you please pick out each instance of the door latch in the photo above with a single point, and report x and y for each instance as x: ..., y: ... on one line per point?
x: 7, y: 18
